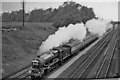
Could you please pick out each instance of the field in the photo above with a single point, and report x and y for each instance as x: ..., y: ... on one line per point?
x: 21, y: 43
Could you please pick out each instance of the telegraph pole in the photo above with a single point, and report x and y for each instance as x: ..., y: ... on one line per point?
x: 23, y: 6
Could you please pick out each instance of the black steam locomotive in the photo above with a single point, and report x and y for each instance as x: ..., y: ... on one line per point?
x: 48, y: 61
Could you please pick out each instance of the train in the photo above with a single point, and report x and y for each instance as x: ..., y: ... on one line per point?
x: 45, y: 63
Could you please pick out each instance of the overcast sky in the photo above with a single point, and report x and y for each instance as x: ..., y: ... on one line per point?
x: 107, y: 9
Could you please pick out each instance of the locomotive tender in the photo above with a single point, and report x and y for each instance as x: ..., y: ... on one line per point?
x: 48, y: 61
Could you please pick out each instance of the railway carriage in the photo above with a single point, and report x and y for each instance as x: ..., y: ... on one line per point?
x: 89, y: 40
x: 75, y: 46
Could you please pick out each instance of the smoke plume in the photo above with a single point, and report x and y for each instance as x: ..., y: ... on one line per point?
x: 63, y: 35
x: 98, y: 26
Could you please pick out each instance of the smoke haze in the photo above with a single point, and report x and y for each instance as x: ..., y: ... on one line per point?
x: 98, y: 26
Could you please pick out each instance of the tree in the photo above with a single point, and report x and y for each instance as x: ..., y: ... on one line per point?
x: 13, y: 16
x: 68, y: 13
x: 72, y: 12
x: 6, y: 17
x: 19, y: 17
x: 36, y: 15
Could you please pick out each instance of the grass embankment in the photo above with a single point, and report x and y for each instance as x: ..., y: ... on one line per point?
x: 20, y: 46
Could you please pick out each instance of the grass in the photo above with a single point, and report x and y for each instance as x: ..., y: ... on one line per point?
x: 20, y: 47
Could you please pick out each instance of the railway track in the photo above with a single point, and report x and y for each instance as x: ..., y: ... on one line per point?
x: 90, y: 61
x: 113, y: 71
x: 20, y: 74
x: 105, y: 65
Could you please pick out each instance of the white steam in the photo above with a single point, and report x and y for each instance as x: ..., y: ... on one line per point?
x: 109, y: 25
x: 77, y: 31
x: 63, y: 35
x: 98, y: 26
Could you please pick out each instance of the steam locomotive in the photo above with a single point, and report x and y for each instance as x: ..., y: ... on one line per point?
x: 55, y: 57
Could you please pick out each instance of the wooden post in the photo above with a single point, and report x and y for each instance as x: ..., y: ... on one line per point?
x: 23, y: 11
